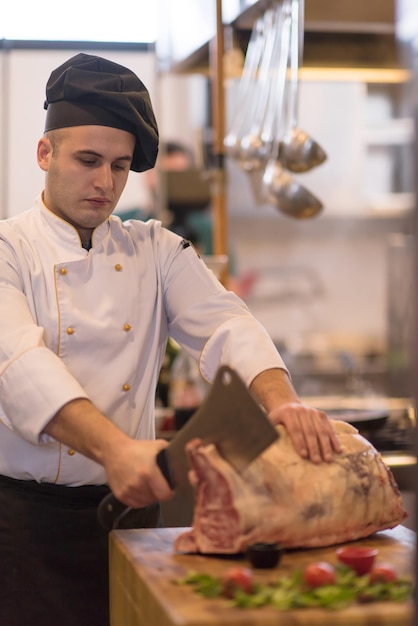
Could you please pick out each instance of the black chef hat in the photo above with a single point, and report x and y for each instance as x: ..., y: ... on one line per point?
x: 90, y: 90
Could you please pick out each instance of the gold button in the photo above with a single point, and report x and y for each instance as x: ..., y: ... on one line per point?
x: 126, y: 387
x: 70, y: 331
x: 127, y: 327
x: 63, y: 271
x: 71, y: 452
x: 118, y: 267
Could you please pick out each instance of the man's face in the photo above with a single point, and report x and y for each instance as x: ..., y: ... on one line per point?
x: 86, y: 171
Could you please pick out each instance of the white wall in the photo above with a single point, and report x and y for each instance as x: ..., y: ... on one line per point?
x: 320, y: 285
x: 182, y: 108
x: 23, y: 77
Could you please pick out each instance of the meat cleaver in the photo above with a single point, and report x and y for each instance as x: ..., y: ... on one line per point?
x: 229, y: 417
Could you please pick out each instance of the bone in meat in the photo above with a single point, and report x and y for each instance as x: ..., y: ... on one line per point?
x: 283, y: 498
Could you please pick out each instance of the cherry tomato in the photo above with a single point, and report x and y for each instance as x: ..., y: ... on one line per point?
x: 318, y: 574
x: 237, y: 578
x: 383, y: 573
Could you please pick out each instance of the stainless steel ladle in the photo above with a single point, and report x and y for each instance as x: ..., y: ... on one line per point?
x: 246, y: 90
x: 287, y: 194
x: 254, y: 151
x: 299, y: 152
x: 281, y: 189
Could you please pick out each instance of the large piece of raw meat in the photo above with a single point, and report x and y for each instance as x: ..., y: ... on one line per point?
x: 283, y: 498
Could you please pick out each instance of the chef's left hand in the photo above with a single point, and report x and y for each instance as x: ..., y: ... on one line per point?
x: 310, y: 429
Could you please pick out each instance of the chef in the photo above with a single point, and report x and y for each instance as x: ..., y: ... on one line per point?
x: 87, y: 303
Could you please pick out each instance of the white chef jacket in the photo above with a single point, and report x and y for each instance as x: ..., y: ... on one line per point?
x: 94, y: 324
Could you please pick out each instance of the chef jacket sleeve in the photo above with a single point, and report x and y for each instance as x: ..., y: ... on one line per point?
x: 212, y: 324
x: 26, y: 363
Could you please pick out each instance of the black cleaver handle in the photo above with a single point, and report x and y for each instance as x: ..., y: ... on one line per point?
x: 111, y: 509
x: 163, y: 465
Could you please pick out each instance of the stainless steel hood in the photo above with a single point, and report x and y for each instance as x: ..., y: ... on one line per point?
x: 372, y: 16
x: 338, y: 33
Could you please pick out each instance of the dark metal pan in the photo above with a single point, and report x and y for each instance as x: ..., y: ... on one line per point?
x: 364, y: 413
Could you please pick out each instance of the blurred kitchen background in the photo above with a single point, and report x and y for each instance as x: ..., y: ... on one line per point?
x: 336, y: 292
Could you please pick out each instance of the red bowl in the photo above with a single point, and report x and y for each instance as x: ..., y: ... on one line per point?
x: 361, y: 559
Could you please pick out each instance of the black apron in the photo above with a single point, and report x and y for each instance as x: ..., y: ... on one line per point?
x: 54, y: 554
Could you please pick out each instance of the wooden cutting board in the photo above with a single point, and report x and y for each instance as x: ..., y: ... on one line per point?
x: 143, y: 566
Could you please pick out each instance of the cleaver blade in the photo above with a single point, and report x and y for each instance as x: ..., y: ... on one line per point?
x: 229, y: 417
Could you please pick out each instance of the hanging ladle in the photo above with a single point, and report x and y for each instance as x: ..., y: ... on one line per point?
x: 298, y: 151
x: 263, y: 138
x: 282, y: 190
x: 246, y: 89
x: 288, y: 194
x: 253, y: 153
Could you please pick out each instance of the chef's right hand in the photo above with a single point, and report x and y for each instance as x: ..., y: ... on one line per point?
x: 133, y: 474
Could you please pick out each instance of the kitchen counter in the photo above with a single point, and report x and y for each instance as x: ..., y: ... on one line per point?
x: 142, y: 593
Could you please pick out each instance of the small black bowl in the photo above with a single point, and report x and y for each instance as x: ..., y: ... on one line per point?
x: 264, y: 555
